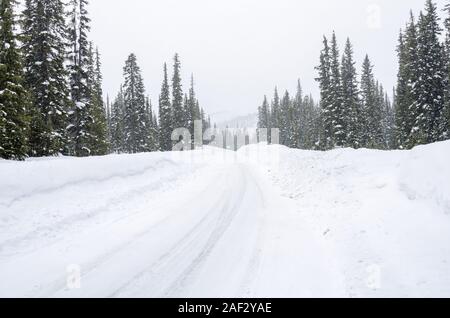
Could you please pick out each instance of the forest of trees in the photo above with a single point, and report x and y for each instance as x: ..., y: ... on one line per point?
x: 356, y: 111
x: 51, y: 98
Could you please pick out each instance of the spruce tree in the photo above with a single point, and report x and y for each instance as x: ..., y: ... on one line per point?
x: 108, y: 123
x: 44, y: 41
x: 338, y: 113
x: 13, y: 96
x: 80, y: 115
x: 165, y: 115
x: 264, y: 116
x: 372, y: 108
x: 98, y: 128
x: 152, y: 132
x: 275, y: 121
x: 327, y: 140
x: 429, y: 121
x: 177, y: 95
x: 312, y: 124
x: 193, y: 109
x: 350, y: 99
x: 389, y: 122
x: 135, y: 130
x: 405, y: 105
x: 285, y: 120
x: 298, y: 123
x: 447, y: 71
x: 117, y: 123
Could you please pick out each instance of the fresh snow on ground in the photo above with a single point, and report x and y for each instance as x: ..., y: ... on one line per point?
x: 266, y: 221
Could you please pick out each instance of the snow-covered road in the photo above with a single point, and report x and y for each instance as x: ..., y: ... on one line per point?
x: 220, y: 224
x: 199, y: 230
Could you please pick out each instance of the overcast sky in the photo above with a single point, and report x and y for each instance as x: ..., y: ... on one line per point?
x: 239, y: 50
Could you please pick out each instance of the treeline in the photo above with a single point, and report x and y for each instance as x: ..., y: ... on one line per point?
x: 50, y: 82
x: 51, y: 99
x: 356, y: 111
x: 133, y: 124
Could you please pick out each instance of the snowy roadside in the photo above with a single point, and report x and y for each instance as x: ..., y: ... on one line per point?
x: 386, y: 215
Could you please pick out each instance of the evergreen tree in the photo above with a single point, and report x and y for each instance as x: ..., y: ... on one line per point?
x: 80, y: 116
x: 326, y: 98
x: 447, y: 70
x: 405, y: 106
x: 187, y: 120
x: 135, y: 129
x: 98, y: 129
x: 193, y: 109
x: 152, y: 133
x: 117, y: 123
x: 429, y: 123
x: 275, y: 121
x: 389, y: 123
x: 350, y: 99
x: 372, y: 109
x: 264, y: 116
x: 297, y: 123
x: 108, y: 123
x: 13, y: 96
x: 44, y: 41
x: 285, y: 120
x: 312, y: 127
x: 177, y: 95
x: 165, y: 115
x: 338, y: 115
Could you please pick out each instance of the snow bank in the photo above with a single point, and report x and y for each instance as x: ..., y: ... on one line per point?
x: 386, y: 214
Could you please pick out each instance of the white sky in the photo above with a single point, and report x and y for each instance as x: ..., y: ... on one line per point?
x: 239, y: 50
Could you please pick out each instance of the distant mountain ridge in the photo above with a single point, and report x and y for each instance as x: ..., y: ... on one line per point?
x: 246, y: 121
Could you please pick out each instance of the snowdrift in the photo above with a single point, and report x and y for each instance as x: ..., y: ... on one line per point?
x: 385, y: 214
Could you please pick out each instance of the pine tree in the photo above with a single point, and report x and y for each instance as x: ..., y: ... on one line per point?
x: 406, y: 106
x: 187, y: 120
x: 165, y: 115
x: 312, y: 127
x: 372, y: 109
x: 44, y: 39
x: 447, y: 70
x: 177, y: 95
x: 13, y: 96
x: 80, y: 116
x: 117, y: 123
x: 152, y: 132
x: 275, y: 111
x: 192, y: 109
x: 338, y: 114
x: 108, y: 123
x: 285, y: 119
x: 327, y: 140
x: 350, y: 99
x: 429, y: 123
x: 264, y: 116
x: 389, y: 123
x: 135, y: 129
x: 98, y: 128
x: 298, y: 118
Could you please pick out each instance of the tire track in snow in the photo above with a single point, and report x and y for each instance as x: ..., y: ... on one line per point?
x: 223, y: 218
x: 60, y: 284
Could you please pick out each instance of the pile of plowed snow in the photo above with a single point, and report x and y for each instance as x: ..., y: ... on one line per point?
x: 385, y: 214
